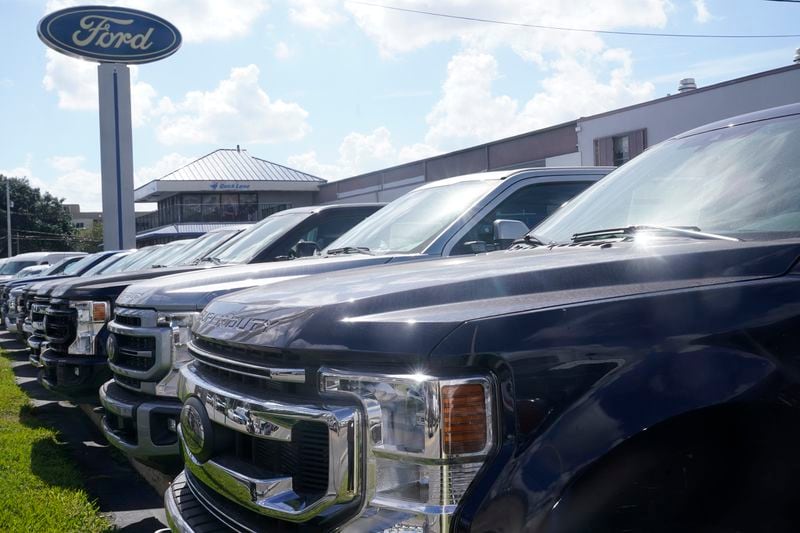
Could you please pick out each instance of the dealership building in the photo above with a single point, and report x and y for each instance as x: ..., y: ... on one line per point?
x: 231, y: 186
x: 226, y: 187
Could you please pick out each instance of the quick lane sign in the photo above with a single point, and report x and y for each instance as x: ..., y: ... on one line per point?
x: 109, y: 34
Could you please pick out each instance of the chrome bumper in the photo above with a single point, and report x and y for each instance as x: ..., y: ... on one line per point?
x: 137, y: 409
x: 162, y: 355
x: 263, y: 417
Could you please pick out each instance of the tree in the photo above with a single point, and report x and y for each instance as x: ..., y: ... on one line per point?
x: 38, y: 221
x: 90, y: 239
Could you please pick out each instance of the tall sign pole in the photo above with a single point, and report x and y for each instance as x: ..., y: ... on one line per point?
x: 8, y: 214
x: 116, y: 156
x: 114, y: 37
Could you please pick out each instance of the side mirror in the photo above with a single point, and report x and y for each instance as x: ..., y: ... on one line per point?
x: 305, y: 249
x: 509, y: 230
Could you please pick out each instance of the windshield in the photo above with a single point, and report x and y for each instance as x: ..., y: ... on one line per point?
x: 249, y: 243
x: 12, y: 267
x: 413, y: 221
x: 163, y: 257
x: 741, y: 181
x: 30, y: 271
x: 76, y: 267
x: 136, y: 261
x: 201, y: 247
x: 105, y: 263
x: 126, y: 262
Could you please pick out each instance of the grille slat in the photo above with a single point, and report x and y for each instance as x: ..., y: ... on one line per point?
x: 129, y: 343
x: 305, y: 458
x: 132, y: 321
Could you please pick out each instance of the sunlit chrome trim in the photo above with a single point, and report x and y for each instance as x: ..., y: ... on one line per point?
x: 273, y: 420
x: 285, y: 375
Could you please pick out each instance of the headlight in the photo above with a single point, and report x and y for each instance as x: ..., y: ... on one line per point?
x: 92, y: 316
x: 427, y: 440
x: 181, y: 326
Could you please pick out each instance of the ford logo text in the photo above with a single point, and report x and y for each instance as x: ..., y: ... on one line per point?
x: 109, y: 34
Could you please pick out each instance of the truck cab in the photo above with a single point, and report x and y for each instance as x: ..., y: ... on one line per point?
x: 631, y: 365
x: 460, y: 216
x: 75, y: 362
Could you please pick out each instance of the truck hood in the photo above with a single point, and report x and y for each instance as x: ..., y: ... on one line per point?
x: 34, y: 280
x: 192, y: 291
x: 409, y: 307
x: 97, y: 286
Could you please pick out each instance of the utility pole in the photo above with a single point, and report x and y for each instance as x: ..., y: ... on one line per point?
x: 8, y: 213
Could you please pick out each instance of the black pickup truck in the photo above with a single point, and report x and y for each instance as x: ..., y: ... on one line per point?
x: 448, y: 217
x: 75, y: 362
x: 632, y: 365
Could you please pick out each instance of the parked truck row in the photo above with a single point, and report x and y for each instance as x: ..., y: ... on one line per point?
x: 540, y: 349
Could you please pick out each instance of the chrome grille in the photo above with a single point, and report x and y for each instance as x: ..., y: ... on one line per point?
x: 125, y: 320
x: 136, y: 353
x: 280, y: 456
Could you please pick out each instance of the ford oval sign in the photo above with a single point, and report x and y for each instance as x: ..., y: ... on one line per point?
x: 109, y: 34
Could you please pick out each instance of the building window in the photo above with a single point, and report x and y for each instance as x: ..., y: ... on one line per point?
x: 192, y: 208
x: 618, y: 149
x: 622, y: 152
x: 80, y: 225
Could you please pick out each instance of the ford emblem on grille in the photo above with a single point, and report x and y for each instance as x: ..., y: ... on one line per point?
x: 196, y: 429
x: 111, y: 347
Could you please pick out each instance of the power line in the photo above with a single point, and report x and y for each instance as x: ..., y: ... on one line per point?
x: 581, y: 30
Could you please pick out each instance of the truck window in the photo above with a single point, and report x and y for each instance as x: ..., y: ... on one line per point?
x: 530, y: 205
x: 322, y: 229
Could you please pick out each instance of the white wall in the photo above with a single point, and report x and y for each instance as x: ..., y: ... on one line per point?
x: 666, y: 118
x: 564, y: 160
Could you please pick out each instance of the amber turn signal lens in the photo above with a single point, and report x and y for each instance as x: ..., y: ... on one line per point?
x: 463, y: 418
x: 99, y: 311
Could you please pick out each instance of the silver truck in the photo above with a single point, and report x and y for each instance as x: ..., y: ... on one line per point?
x: 148, y: 337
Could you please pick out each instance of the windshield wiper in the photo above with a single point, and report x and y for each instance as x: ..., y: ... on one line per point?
x: 215, y: 260
x: 349, y: 250
x: 528, y: 241
x: 692, y: 232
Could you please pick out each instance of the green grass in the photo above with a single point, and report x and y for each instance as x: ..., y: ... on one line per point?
x: 40, y: 487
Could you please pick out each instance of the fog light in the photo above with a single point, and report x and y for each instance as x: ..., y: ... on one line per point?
x: 172, y: 425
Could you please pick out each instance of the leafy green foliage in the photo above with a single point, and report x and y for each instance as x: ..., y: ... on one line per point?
x: 38, y: 221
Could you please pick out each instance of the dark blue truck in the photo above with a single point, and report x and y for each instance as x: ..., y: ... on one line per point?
x: 633, y: 364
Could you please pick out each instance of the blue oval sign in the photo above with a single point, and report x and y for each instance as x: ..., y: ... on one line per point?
x: 109, y: 34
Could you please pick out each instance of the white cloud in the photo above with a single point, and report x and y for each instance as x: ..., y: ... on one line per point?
x: 237, y: 111
x: 66, y: 163
x: 282, y: 51
x: 72, y: 182
x: 75, y: 83
x: 160, y: 168
x: 397, y: 32
x: 469, y: 111
x: 73, y: 80
x: 315, y: 14
x: 198, y: 20
x: 701, y: 12
x: 360, y: 153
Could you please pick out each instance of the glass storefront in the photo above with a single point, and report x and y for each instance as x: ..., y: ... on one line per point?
x: 210, y: 207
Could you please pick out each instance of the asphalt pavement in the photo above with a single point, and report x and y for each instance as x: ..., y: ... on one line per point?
x: 122, y: 494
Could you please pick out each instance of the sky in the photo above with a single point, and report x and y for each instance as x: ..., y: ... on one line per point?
x: 338, y: 88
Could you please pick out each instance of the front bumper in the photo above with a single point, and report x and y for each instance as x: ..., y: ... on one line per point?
x: 185, y: 513
x: 71, y: 375
x: 36, y: 343
x: 138, y: 424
